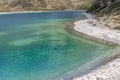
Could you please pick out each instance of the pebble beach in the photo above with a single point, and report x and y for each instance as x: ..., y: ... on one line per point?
x: 105, y: 32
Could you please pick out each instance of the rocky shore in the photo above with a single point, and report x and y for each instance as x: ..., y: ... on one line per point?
x: 106, y: 30
x: 98, y: 31
x: 110, y: 71
x: 108, y: 21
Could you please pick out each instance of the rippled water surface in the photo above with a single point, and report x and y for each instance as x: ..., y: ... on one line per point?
x: 35, y: 46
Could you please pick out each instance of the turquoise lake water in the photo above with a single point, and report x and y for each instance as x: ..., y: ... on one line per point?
x: 36, y: 46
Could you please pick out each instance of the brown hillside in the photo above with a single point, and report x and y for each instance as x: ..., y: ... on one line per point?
x: 23, y: 5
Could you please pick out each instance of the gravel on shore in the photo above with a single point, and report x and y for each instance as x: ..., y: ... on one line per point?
x: 105, y: 35
x: 111, y: 70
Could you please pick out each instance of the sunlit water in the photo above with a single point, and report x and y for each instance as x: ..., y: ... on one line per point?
x: 35, y: 46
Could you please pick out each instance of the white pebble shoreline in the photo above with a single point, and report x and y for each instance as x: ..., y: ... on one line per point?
x: 110, y: 71
x: 37, y: 11
x: 106, y: 35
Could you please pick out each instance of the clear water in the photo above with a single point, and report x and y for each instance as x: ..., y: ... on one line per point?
x: 35, y: 46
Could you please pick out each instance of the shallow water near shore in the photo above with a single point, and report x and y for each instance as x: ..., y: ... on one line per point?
x: 36, y: 46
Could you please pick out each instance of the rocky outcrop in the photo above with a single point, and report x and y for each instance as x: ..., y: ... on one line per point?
x: 109, y: 12
x: 105, y: 7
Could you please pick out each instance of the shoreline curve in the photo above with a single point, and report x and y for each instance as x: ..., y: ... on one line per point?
x: 106, y: 36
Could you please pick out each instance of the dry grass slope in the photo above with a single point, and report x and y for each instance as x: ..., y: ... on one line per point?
x: 38, y: 5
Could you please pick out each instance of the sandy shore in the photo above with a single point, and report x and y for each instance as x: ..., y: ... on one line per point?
x: 100, y: 33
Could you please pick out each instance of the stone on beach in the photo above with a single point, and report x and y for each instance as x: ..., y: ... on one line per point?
x: 111, y: 70
x: 106, y: 35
